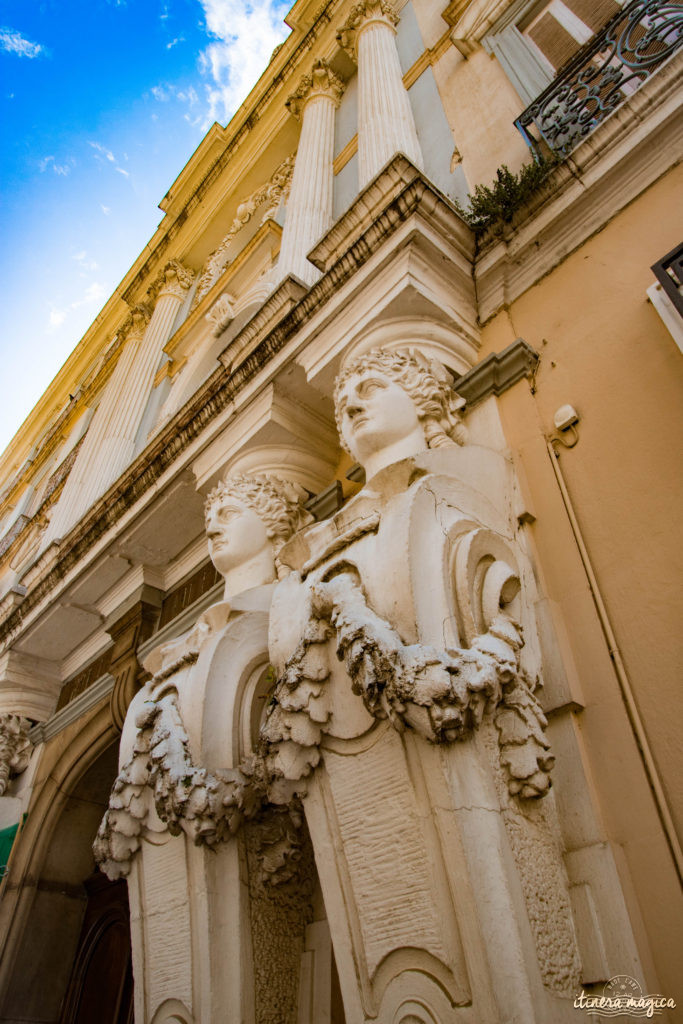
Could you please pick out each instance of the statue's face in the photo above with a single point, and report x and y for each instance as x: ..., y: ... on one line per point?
x: 235, y: 533
x: 375, y: 412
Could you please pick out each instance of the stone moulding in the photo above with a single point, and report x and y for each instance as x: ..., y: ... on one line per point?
x: 417, y: 197
x: 498, y: 372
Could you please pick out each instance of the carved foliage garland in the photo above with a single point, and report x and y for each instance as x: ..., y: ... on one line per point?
x: 442, y: 695
x: 269, y: 195
x: 206, y: 806
x: 15, y: 747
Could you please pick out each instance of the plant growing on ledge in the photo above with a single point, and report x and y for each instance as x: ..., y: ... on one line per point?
x: 491, y: 207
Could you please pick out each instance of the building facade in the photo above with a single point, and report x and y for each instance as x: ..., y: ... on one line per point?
x: 401, y: 743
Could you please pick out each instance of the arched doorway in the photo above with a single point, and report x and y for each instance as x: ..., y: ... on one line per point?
x: 72, y: 962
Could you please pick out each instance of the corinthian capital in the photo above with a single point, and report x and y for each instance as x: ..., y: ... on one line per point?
x: 322, y: 81
x: 362, y: 15
x: 15, y: 747
x: 174, y: 279
x: 136, y: 322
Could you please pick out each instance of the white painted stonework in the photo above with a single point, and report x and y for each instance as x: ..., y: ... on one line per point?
x: 385, y: 692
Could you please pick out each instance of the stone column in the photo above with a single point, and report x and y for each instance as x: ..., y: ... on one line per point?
x: 309, y: 208
x: 385, y: 118
x: 109, y: 444
x: 71, y: 503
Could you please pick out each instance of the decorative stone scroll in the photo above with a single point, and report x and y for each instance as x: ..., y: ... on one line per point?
x: 15, y: 748
x: 269, y: 196
x: 220, y: 314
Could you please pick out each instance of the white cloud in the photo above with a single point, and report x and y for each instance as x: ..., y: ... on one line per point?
x: 174, y: 42
x: 61, y: 169
x: 246, y: 34
x: 93, y: 294
x: 103, y: 154
x: 106, y: 210
x: 12, y: 41
x: 57, y: 317
x: 84, y: 262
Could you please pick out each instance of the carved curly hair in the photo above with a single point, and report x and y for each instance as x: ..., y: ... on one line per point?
x: 428, y: 383
x: 279, y: 503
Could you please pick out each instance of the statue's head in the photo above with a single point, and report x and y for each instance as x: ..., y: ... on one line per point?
x: 395, y: 403
x: 249, y: 518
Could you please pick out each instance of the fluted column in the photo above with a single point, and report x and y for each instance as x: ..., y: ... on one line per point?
x: 109, y: 444
x: 385, y: 119
x: 309, y: 207
x: 70, y: 504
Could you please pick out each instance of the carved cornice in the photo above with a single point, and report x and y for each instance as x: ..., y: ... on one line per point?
x: 269, y: 195
x: 363, y: 14
x: 15, y: 748
x: 322, y: 81
x: 498, y: 372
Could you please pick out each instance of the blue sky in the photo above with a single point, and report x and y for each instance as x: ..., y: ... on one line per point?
x: 102, y: 103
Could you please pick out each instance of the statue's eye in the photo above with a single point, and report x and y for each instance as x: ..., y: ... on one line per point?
x: 371, y: 386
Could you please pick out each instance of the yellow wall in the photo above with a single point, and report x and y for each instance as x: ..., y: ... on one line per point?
x: 605, y: 351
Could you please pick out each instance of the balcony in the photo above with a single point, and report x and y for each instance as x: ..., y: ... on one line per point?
x: 630, y: 48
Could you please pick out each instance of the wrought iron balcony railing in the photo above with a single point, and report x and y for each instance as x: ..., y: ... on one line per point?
x: 609, y: 68
x: 669, y: 273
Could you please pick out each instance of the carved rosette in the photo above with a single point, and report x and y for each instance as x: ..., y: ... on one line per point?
x: 362, y: 15
x: 15, y: 748
x: 269, y: 196
x: 322, y: 81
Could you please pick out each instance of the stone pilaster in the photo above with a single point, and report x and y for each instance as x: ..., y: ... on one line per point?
x: 385, y: 118
x: 309, y: 208
x: 109, y: 444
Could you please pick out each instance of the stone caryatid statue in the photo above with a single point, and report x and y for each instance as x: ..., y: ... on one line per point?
x: 406, y: 716
x: 189, y: 778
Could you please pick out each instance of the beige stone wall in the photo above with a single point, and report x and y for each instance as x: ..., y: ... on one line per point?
x: 605, y: 351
